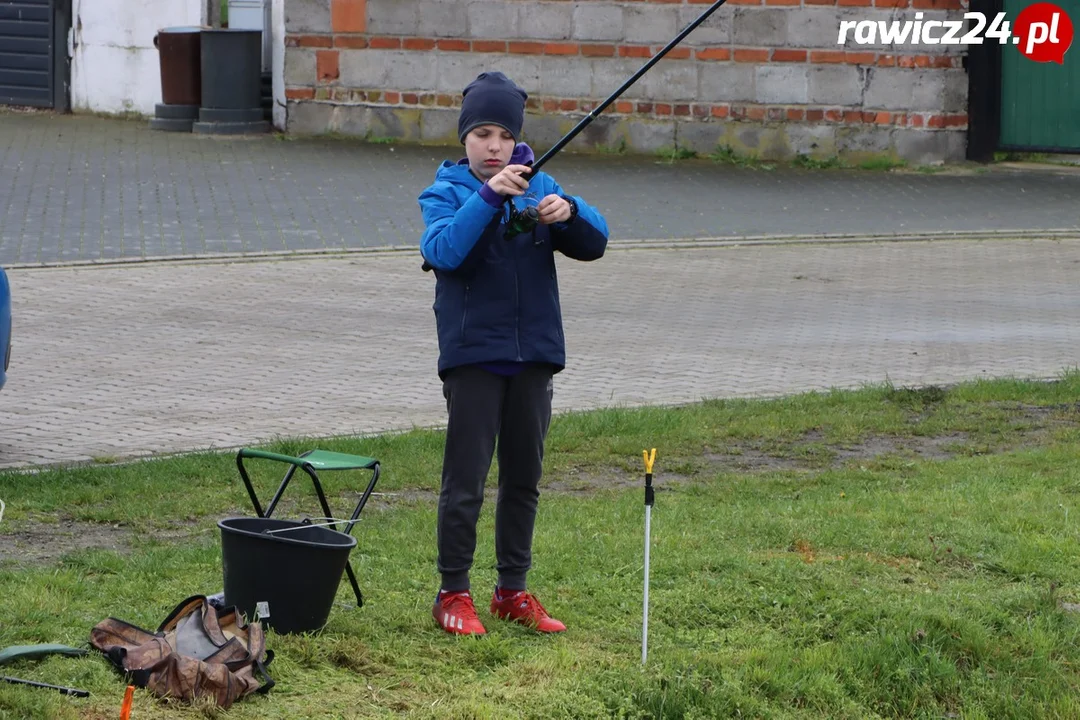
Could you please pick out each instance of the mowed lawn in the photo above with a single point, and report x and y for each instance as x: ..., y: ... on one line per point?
x: 888, y: 552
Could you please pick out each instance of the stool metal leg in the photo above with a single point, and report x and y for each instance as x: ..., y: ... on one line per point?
x: 280, y: 491
x: 330, y: 516
x: 247, y: 484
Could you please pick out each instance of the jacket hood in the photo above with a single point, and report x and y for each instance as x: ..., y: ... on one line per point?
x: 457, y: 173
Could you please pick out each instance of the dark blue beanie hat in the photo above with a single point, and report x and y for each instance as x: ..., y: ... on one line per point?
x: 492, y: 99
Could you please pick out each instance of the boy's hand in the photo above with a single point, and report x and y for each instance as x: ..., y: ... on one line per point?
x: 509, y: 180
x: 553, y: 209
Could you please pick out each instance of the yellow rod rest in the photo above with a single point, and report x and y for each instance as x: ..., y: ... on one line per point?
x: 649, y: 460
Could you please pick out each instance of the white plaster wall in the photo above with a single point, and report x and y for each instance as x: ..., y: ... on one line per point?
x: 115, y: 67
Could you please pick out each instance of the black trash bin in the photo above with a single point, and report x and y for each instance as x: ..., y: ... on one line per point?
x: 180, y: 60
x: 232, y: 100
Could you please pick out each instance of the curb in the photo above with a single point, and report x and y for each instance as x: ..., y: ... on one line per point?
x: 732, y: 241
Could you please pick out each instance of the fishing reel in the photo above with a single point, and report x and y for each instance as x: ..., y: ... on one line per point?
x: 522, y: 221
x: 525, y: 221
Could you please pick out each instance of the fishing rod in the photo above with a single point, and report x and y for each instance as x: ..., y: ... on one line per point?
x: 65, y: 690
x: 588, y: 119
x: 524, y: 221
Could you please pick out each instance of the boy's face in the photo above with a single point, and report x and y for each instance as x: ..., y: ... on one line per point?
x: 489, y: 148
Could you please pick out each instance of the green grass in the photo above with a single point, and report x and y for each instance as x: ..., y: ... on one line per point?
x: 726, y: 155
x: 1013, y: 156
x: 1032, y: 157
x: 673, y: 154
x: 885, y: 553
x: 881, y: 163
x: 811, y: 163
x: 618, y: 148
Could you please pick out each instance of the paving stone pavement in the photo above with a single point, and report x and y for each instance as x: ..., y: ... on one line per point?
x: 128, y: 360
x: 79, y: 189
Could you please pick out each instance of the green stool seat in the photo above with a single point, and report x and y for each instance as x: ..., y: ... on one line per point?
x: 319, y: 459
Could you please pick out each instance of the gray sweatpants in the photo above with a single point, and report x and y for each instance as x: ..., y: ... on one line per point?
x: 483, y: 406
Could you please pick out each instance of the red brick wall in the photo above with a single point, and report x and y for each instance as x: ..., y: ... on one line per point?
x: 773, y: 67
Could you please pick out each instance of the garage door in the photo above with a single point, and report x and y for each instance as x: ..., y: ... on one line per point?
x: 27, y: 39
x: 1040, y: 101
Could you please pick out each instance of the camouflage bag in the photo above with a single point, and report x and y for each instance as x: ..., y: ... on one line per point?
x: 198, y: 651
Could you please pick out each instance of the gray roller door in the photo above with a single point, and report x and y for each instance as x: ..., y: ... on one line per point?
x: 27, y: 52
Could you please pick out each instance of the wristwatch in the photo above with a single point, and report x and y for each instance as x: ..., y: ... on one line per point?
x: 573, y: 209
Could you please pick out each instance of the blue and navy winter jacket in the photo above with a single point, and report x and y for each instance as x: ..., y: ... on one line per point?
x: 497, y: 299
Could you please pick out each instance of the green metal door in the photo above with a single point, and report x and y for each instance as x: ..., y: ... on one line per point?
x: 1040, y: 102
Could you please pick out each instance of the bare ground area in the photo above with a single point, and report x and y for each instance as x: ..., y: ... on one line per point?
x: 45, y: 540
x: 1030, y: 426
x: 810, y: 453
x: 41, y: 541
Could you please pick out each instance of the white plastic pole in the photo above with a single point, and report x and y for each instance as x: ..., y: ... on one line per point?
x: 649, y: 460
x: 645, y: 621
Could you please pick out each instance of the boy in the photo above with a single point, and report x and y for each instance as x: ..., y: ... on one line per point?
x: 500, y: 342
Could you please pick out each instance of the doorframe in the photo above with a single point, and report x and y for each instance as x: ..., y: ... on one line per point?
x: 984, y: 90
x: 61, y: 80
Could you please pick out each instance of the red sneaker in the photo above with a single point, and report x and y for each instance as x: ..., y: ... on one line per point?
x: 523, y: 607
x: 456, y: 614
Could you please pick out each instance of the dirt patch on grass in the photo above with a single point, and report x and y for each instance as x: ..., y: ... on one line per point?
x: 1057, y: 414
x: 579, y: 481
x: 1029, y: 425
x: 813, y: 452
x: 808, y: 453
x: 46, y: 542
x: 43, y: 542
x: 39, y: 543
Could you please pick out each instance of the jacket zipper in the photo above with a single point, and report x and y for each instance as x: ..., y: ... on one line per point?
x: 465, y: 313
x: 517, y: 304
x: 558, y: 311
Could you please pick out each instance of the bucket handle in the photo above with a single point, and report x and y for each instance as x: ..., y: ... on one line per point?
x: 307, y: 525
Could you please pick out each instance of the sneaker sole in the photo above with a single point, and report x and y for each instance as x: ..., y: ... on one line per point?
x: 527, y: 624
x: 461, y: 633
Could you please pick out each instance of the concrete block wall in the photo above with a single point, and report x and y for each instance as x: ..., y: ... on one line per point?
x: 764, y: 78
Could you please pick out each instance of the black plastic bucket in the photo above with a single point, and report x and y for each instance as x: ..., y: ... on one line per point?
x: 289, y: 579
